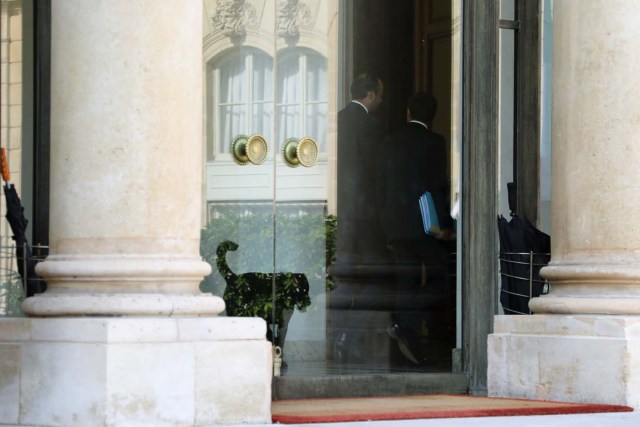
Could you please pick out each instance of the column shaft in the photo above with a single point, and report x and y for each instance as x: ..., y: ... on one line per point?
x: 595, y: 266
x: 126, y: 161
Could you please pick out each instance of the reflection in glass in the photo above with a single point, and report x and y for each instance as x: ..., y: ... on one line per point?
x: 302, y: 102
x: 283, y: 220
x: 243, y: 82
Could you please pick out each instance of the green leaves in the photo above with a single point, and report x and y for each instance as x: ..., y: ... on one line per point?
x: 305, y: 243
x: 12, y: 295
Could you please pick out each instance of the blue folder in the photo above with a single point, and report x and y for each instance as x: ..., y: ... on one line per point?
x: 429, y: 215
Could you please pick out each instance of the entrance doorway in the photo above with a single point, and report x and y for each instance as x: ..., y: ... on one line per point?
x: 282, y: 212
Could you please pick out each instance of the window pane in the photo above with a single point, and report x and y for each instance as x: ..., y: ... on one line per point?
x: 288, y: 123
x: 262, y: 78
x: 233, y: 122
x: 317, y: 124
x: 289, y: 87
x: 508, y: 9
x: 289, y: 98
x: 506, y: 118
x: 233, y: 84
x: 316, y: 78
x: 316, y: 109
x: 262, y: 119
x: 245, y: 96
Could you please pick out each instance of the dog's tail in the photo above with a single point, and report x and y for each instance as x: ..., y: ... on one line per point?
x: 221, y: 260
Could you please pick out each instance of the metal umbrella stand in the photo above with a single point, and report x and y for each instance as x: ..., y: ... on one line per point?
x: 524, y: 250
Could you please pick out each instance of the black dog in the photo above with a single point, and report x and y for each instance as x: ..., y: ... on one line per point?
x: 251, y: 294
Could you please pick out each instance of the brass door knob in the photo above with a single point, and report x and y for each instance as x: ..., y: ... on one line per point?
x: 300, y: 152
x: 252, y: 149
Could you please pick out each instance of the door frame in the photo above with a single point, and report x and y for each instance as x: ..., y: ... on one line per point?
x: 479, y: 174
x: 480, y: 168
x: 479, y: 185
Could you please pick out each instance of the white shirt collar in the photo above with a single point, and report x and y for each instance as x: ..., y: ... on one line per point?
x: 420, y: 123
x: 360, y: 103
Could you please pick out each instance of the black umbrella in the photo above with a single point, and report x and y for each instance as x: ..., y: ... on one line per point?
x: 18, y: 223
x: 524, y: 250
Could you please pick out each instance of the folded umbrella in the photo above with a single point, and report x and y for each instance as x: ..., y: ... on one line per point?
x: 524, y: 250
x: 18, y: 223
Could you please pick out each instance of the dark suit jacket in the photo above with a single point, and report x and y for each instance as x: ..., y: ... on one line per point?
x: 359, y: 236
x: 359, y: 143
x: 415, y: 162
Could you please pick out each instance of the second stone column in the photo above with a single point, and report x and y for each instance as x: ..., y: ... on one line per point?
x: 583, y: 342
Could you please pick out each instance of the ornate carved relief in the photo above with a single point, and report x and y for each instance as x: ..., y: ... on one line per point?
x: 12, y: 7
x: 290, y: 15
x: 232, y: 16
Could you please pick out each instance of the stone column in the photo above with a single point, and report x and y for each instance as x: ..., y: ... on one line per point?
x: 126, y: 161
x: 123, y: 336
x: 583, y: 343
x: 595, y: 266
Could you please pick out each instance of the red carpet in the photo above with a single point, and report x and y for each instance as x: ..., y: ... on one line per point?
x: 427, y: 406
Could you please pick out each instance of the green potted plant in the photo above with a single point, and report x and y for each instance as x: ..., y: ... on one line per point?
x: 246, y: 266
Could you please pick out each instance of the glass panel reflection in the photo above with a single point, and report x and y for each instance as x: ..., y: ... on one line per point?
x: 308, y: 249
x: 243, y: 89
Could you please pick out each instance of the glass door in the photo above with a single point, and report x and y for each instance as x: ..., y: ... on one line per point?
x: 295, y: 210
x: 270, y: 165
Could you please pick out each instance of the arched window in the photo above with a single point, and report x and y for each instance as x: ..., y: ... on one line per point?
x: 241, y: 94
x: 240, y: 98
x: 302, y: 96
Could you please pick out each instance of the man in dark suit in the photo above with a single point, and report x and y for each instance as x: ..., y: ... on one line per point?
x: 360, y: 244
x: 415, y: 162
x: 359, y: 142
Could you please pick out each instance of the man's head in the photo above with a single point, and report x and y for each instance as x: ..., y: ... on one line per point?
x: 422, y: 107
x: 367, y: 89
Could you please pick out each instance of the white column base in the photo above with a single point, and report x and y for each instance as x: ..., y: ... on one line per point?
x: 132, y: 304
x: 579, y: 358
x: 134, y: 371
